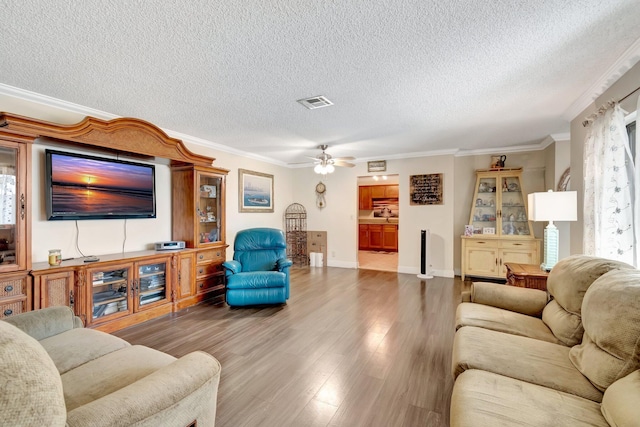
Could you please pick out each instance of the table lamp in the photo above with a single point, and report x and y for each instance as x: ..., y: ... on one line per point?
x: 552, y: 206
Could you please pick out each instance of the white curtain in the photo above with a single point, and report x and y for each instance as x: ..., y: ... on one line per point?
x: 609, y: 195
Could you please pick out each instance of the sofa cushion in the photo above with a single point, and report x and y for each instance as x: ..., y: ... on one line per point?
x: 610, y: 348
x: 30, y: 386
x: 513, y: 298
x: 497, y: 319
x: 484, y: 399
x: 567, y: 283
x: 620, y: 401
x: 111, y: 372
x: 79, y: 346
x: 522, y: 358
x: 257, y: 279
x: 47, y: 322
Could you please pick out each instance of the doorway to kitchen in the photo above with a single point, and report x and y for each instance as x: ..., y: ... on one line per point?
x: 378, y: 222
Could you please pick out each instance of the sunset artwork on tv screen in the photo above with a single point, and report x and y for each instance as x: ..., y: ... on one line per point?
x: 87, y: 187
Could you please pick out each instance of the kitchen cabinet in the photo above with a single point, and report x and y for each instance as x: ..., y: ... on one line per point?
x: 378, y: 237
x: 366, y: 194
x: 364, y: 198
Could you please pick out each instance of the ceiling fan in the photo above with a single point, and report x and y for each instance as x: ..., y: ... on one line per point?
x: 325, y: 163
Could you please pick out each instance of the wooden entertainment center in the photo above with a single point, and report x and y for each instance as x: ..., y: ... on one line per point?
x: 125, y: 288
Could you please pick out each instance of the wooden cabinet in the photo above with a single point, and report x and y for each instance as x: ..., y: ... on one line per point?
x: 364, y: 198
x: 210, y: 282
x: 392, y: 191
x: 390, y: 237
x: 15, y: 294
x: 15, y: 212
x: 199, y: 220
x: 363, y: 237
x: 198, y: 192
x: 526, y: 276
x: 375, y: 237
x: 501, y: 230
x: 378, y: 237
x: 53, y: 288
x: 367, y: 193
x: 117, y: 291
x: 185, y: 278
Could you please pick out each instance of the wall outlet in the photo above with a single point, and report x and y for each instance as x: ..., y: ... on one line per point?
x: 333, y: 254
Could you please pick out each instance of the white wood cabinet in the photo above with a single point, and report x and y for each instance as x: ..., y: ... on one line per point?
x: 502, y: 232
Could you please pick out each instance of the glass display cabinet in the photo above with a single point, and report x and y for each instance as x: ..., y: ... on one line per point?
x: 199, y: 220
x: 12, y: 207
x: 208, y: 208
x: 15, y: 242
x: 110, y: 291
x: 500, y: 205
x: 499, y: 230
x: 150, y: 286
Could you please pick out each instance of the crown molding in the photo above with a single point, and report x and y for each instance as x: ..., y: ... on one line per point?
x: 55, y: 103
x: 59, y: 104
x: 628, y: 59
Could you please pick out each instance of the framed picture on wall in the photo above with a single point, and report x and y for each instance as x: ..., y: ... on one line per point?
x: 255, y: 191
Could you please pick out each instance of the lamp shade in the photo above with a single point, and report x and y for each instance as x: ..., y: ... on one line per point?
x: 553, y: 206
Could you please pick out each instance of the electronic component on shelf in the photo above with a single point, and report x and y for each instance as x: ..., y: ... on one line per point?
x: 173, y: 244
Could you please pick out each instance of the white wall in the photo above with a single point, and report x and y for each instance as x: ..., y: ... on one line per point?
x: 340, y: 216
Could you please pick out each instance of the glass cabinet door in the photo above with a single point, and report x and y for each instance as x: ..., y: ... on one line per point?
x: 151, y: 283
x: 484, y: 217
x: 12, y: 209
x: 110, y: 291
x: 209, y: 208
x: 514, y: 210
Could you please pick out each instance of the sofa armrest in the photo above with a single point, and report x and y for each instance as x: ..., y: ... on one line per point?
x: 521, y: 300
x: 177, y: 394
x: 283, y: 263
x: 45, y: 323
x: 232, y: 267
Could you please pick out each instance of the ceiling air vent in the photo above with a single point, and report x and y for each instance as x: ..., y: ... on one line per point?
x: 315, y: 102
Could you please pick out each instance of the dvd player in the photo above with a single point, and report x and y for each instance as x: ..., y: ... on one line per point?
x: 173, y: 244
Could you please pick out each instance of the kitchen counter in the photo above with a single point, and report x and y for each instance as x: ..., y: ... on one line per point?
x: 377, y: 221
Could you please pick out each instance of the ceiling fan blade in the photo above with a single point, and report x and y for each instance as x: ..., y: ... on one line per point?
x: 343, y: 164
x: 344, y: 158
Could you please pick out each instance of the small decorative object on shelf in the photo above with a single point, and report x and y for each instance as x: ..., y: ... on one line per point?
x: 55, y: 257
x: 468, y: 230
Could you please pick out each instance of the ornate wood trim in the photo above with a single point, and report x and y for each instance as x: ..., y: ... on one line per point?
x: 123, y: 134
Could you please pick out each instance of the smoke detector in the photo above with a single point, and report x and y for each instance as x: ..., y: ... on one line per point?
x: 315, y: 102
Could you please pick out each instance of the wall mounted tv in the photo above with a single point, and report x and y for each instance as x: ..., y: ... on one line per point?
x: 79, y: 186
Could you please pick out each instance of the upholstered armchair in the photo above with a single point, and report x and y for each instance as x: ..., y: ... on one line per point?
x: 259, y: 272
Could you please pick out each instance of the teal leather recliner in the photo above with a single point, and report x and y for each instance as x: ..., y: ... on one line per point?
x: 259, y: 272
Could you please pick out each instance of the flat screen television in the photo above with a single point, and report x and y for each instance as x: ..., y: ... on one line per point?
x: 79, y: 186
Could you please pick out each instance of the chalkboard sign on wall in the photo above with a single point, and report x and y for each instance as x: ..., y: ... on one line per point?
x: 425, y: 189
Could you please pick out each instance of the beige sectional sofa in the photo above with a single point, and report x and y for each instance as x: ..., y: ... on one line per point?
x: 522, y: 358
x: 54, y: 372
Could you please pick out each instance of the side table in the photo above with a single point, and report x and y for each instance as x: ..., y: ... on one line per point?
x: 526, y: 276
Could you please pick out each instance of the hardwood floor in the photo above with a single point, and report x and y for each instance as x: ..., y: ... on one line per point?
x: 350, y: 348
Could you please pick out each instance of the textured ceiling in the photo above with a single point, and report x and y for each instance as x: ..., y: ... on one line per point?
x: 406, y: 76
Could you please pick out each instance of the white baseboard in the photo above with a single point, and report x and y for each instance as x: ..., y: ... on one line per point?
x: 416, y: 271
x: 341, y: 264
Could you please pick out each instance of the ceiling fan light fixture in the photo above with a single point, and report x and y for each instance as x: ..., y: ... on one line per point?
x: 330, y: 168
x: 319, y: 169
